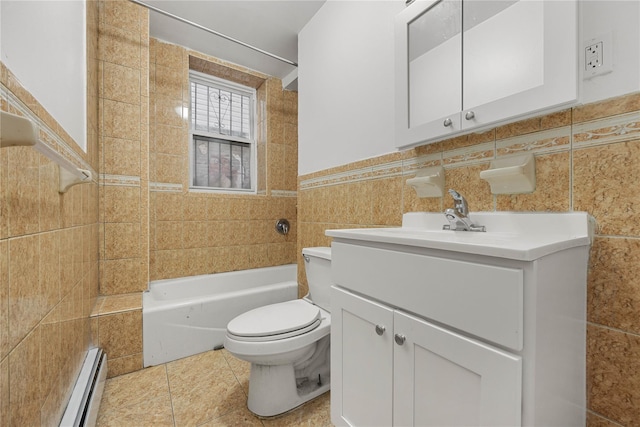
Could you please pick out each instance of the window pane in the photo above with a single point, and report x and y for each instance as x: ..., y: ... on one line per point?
x: 220, y: 111
x: 236, y: 166
x: 215, y: 165
x: 221, y: 164
x: 246, y: 162
x: 201, y: 167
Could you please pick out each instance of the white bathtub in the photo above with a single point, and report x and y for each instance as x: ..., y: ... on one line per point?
x: 185, y: 316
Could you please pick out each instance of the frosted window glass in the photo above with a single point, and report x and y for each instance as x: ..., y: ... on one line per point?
x: 221, y: 123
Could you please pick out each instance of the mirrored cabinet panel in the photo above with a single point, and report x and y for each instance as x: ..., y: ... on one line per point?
x: 497, y: 66
x: 435, y: 63
x: 464, y: 65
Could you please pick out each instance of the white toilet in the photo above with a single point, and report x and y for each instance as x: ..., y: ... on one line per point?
x: 287, y: 343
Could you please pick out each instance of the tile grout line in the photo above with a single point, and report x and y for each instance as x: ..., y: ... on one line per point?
x: 571, y: 164
x: 224, y: 356
x: 173, y: 416
x: 599, y: 415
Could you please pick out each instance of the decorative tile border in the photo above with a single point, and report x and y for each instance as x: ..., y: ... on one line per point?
x: 119, y: 180
x: 51, y: 138
x: 165, y: 187
x: 480, y: 153
x: 354, y: 175
x: 454, y: 158
x: 284, y: 193
x: 544, y: 142
x: 387, y: 170
x: 611, y: 130
x: 411, y: 166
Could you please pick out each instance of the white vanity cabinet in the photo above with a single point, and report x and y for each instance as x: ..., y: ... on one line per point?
x: 365, y: 361
x: 443, y: 378
x: 397, y: 369
x: 448, y: 328
x: 466, y: 65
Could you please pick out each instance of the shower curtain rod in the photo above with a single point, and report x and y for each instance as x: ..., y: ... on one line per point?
x: 208, y: 30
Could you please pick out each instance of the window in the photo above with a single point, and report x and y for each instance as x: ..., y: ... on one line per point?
x: 222, y: 134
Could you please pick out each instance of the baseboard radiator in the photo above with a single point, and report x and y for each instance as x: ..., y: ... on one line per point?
x: 84, y: 403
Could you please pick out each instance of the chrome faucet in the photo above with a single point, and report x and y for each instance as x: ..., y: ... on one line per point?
x: 459, y: 216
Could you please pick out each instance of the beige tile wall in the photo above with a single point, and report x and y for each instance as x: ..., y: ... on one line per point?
x: 124, y: 178
x: 587, y: 159
x: 48, y: 258
x: 198, y: 232
x: 124, y: 102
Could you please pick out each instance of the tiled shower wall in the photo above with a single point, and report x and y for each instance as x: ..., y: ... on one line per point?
x: 198, y: 232
x: 151, y: 226
x: 48, y: 257
x: 124, y: 142
x: 124, y: 181
x: 587, y: 159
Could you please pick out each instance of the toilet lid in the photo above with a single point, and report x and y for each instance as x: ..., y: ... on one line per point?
x: 275, y: 321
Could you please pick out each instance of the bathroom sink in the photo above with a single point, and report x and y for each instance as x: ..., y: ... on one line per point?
x: 519, y: 236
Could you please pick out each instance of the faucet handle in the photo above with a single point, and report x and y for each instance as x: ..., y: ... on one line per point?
x: 455, y: 194
x: 461, y: 203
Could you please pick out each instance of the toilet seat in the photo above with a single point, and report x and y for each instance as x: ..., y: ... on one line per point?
x: 275, y: 322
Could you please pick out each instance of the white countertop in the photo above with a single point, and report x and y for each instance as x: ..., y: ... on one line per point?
x: 511, y: 235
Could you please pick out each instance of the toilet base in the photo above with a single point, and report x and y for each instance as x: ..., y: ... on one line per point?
x: 269, y: 397
x: 274, y: 389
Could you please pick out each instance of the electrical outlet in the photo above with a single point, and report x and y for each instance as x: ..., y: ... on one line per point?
x: 593, y: 56
x: 598, y: 56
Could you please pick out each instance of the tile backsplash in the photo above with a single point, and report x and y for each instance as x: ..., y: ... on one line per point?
x: 587, y: 159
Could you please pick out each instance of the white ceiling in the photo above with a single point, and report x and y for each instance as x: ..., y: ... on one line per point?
x: 271, y: 25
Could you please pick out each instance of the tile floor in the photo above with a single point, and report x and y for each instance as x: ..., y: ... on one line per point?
x: 208, y: 389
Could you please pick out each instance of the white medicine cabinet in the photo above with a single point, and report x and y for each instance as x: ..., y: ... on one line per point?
x: 464, y: 65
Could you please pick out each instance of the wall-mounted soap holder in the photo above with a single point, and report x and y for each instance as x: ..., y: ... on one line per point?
x: 511, y: 175
x: 19, y: 131
x: 428, y: 182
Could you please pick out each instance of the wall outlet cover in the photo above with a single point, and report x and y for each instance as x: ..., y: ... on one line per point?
x: 598, y: 56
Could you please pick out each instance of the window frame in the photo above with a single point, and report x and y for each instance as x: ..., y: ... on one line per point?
x: 219, y: 83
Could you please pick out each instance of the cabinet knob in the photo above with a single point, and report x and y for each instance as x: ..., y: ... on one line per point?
x: 469, y: 115
x: 380, y: 329
x: 447, y: 123
x: 399, y: 339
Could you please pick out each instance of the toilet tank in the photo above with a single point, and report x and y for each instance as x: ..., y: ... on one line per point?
x: 317, y: 267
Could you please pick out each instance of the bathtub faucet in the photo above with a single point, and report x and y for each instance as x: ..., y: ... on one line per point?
x: 459, y: 216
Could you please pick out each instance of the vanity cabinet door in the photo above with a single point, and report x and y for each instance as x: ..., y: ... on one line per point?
x: 361, y: 361
x: 445, y: 379
x: 519, y: 57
